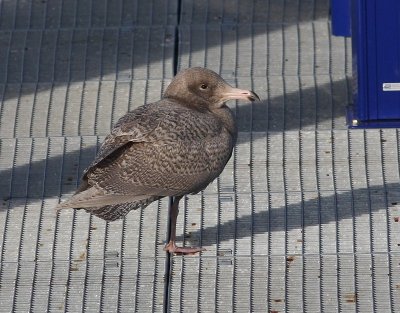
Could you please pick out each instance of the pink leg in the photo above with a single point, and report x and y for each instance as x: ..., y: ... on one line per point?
x: 171, y: 247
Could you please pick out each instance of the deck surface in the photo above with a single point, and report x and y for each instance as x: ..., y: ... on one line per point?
x: 305, y: 217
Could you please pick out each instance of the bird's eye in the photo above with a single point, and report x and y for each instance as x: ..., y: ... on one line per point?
x: 203, y: 86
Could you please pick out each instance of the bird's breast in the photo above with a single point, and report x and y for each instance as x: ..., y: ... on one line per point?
x: 219, y: 150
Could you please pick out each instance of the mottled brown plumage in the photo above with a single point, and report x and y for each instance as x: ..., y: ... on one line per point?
x: 172, y: 147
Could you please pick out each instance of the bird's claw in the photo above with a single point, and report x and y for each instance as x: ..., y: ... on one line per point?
x: 171, y: 247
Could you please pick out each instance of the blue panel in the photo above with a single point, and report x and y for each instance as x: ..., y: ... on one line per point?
x: 341, y: 18
x: 388, y: 56
x: 376, y: 62
x: 359, y: 60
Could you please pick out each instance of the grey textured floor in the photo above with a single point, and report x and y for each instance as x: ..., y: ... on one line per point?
x: 305, y: 217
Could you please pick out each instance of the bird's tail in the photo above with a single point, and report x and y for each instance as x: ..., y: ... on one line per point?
x: 117, y: 211
x: 106, y: 206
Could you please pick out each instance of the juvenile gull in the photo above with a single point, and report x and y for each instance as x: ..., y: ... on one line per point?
x: 172, y: 147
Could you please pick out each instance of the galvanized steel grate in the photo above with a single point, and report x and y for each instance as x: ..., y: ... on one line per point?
x: 305, y: 216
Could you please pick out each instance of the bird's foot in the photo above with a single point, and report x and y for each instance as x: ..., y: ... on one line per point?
x: 171, y: 247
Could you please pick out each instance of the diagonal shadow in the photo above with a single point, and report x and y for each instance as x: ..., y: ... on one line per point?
x: 50, y: 42
x: 321, y: 210
x: 49, y: 167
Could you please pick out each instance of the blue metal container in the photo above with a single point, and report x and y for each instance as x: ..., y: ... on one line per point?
x: 376, y: 63
x: 341, y: 20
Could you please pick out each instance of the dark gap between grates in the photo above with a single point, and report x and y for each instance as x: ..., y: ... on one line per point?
x: 167, y: 273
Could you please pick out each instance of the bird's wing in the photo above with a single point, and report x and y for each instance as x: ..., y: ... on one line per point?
x: 172, y: 153
x: 133, y: 127
x: 148, y: 170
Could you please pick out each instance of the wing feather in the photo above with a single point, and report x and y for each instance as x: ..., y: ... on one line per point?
x: 157, y: 150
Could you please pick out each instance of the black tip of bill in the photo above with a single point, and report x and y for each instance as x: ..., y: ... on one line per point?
x: 253, y: 96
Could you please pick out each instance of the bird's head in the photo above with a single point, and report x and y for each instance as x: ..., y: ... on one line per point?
x: 201, y: 87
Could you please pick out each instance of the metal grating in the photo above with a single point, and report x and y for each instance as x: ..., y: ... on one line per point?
x: 253, y: 12
x: 71, y: 109
x: 305, y: 217
x: 88, y: 54
x: 73, y: 262
x: 311, y: 231
x: 259, y: 50
x: 86, y: 14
